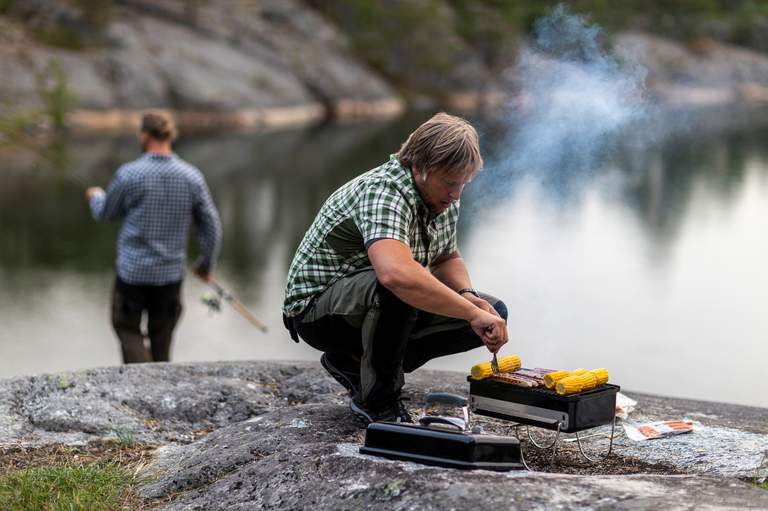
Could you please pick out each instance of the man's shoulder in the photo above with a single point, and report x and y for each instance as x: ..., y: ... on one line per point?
x: 388, y: 177
x: 131, y: 170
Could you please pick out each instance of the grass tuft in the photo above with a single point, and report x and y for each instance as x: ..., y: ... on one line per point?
x: 67, y: 487
x: 125, y: 437
x: 98, y: 476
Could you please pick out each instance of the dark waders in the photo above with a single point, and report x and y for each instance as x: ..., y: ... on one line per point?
x: 162, y: 305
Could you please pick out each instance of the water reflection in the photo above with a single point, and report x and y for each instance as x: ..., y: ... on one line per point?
x: 56, y: 263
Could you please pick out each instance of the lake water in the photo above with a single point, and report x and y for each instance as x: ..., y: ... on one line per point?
x: 652, y: 266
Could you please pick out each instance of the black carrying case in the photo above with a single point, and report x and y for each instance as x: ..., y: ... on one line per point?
x: 442, y: 447
x: 542, y: 407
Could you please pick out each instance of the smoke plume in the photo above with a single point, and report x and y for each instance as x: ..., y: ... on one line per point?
x: 574, y: 99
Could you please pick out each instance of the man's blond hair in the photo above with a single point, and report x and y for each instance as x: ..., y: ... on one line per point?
x: 159, y: 125
x: 445, y: 142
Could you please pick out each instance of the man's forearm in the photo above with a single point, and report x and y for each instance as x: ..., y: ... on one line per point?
x: 419, y: 288
x: 452, y: 272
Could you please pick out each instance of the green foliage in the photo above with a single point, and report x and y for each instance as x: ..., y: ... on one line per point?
x: 13, y: 124
x: 60, y: 37
x: 63, y: 383
x: 56, y: 94
x: 192, y: 10
x: 760, y: 471
x: 125, y: 437
x: 394, y: 488
x: 86, y: 25
x: 494, y: 27
x: 409, y: 39
x: 410, y: 42
x: 6, y: 5
x: 91, y: 487
x: 96, y: 12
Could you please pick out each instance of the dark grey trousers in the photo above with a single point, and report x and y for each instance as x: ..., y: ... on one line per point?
x: 162, y: 305
x: 360, y: 317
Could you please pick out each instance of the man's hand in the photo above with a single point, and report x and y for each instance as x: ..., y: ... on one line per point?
x: 93, y: 191
x: 491, y: 328
x: 203, y: 274
x: 480, y: 303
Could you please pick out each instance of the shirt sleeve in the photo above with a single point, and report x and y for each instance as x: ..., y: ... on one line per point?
x: 111, y: 205
x: 207, y: 228
x: 383, y: 213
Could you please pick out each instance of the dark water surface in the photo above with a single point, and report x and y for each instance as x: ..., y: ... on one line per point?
x: 652, y: 266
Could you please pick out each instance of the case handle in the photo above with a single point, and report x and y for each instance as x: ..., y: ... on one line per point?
x: 455, y: 422
x: 446, y: 398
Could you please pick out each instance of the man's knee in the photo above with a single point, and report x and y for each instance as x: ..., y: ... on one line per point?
x: 390, y: 301
x: 125, y: 319
x: 497, y: 304
x: 501, y: 308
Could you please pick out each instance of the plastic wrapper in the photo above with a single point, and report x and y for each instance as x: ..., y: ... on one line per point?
x: 624, y: 405
x: 641, y: 431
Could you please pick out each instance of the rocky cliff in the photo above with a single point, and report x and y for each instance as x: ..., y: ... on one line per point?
x: 285, y: 62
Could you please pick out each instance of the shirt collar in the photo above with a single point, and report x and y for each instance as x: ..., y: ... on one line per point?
x: 155, y: 156
x: 405, y: 175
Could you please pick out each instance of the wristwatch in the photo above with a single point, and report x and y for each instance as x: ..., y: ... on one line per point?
x: 469, y: 290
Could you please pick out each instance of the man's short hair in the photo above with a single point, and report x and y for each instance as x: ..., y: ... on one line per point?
x: 159, y: 126
x: 444, y: 142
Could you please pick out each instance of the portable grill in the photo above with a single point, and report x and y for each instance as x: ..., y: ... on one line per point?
x: 544, y: 408
x: 443, y: 441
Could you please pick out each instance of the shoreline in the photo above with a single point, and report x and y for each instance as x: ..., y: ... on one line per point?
x: 120, y: 121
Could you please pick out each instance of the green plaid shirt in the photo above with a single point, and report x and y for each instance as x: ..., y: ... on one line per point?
x: 382, y: 203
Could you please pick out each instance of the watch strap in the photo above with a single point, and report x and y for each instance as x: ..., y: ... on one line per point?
x: 469, y: 290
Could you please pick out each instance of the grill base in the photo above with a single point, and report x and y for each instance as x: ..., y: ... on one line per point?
x: 444, y: 448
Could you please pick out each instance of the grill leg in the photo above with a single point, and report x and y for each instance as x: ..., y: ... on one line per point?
x: 522, y: 458
x: 555, y: 443
x: 597, y: 458
x: 537, y: 445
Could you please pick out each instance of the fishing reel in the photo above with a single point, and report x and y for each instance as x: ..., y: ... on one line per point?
x: 212, y: 301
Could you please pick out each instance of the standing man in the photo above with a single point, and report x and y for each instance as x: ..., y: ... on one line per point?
x: 378, y: 283
x: 156, y: 197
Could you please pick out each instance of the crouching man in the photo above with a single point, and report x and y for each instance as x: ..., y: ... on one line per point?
x: 378, y: 283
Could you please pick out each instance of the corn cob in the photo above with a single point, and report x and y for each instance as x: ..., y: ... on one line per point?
x: 601, y: 375
x: 569, y: 385
x: 580, y: 370
x: 550, y: 379
x: 588, y: 381
x: 507, y: 364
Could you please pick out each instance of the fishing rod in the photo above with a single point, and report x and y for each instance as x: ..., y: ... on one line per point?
x: 214, y: 303
x: 76, y: 180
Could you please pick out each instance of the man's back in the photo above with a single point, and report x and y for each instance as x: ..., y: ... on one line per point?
x: 158, y: 196
x: 381, y: 203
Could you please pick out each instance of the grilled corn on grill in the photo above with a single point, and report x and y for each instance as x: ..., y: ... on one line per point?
x: 542, y: 407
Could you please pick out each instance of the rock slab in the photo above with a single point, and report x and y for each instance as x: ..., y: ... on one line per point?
x: 279, y: 435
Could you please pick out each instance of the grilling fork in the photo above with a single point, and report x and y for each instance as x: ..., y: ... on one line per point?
x: 494, y: 364
x: 494, y: 361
